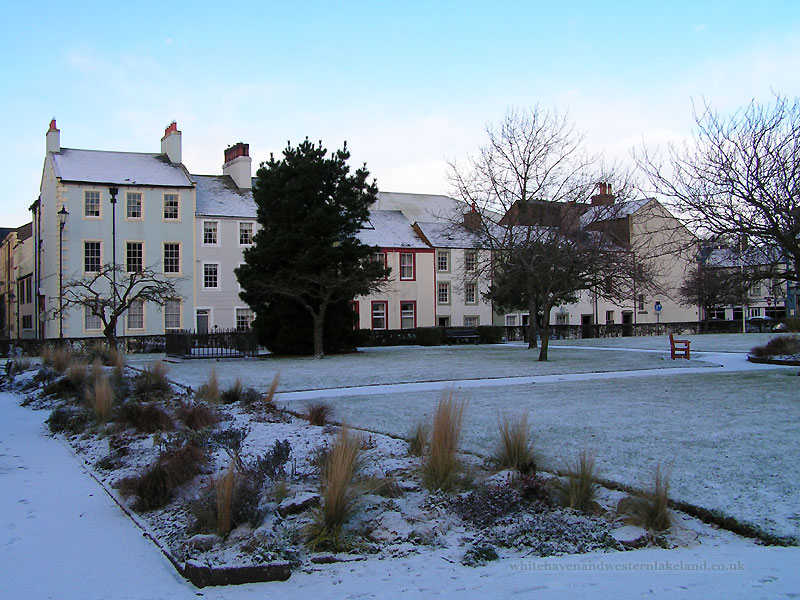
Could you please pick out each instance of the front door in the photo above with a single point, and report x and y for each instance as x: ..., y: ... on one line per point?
x: 202, y: 320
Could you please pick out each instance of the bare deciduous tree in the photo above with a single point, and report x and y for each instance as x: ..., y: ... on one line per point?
x: 529, y: 185
x: 738, y: 176
x: 95, y: 292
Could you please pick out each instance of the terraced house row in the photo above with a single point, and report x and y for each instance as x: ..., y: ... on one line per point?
x: 142, y: 210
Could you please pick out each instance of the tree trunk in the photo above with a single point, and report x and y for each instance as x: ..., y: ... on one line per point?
x: 545, y: 332
x: 319, y: 326
x: 533, y: 323
x: 110, y: 332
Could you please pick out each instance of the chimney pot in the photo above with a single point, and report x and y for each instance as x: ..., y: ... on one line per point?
x: 53, y: 125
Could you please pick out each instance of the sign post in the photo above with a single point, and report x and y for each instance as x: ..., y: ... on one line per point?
x: 658, y: 308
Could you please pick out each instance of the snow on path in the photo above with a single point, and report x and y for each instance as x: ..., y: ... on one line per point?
x: 728, y: 362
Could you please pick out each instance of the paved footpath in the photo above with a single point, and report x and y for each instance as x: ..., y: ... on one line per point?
x: 727, y: 361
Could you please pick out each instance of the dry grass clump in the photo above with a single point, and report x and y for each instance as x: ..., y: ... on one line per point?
x: 233, y: 393
x: 580, y: 489
x: 145, y: 417
x: 61, y: 357
x: 442, y: 466
x: 651, y: 511
x: 514, y: 449
x: 47, y: 355
x: 117, y: 361
x: 77, y: 373
x: 155, y: 487
x: 197, y: 416
x: 224, y: 488
x: 418, y: 439
x: 209, y: 391
x: 269, y: 399
x: 100, y: 398
x: 152, y: 383
x: 19, y: 365
x: 319, y: 414
x: 339, y: 495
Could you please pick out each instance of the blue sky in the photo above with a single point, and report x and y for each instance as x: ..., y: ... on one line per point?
x: 409, y: 85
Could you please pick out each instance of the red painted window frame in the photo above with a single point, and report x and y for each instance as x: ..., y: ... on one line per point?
x: 356, y: 309
x: 413, y: 303
x: 413, y: 256
x: 385, y: 315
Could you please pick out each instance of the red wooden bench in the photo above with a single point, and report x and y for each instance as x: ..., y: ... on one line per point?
x: 679, y: 348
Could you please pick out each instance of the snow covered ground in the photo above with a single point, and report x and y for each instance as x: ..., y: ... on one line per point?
x: 729, y: 432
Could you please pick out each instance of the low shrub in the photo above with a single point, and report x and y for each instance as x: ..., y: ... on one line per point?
x: 491, y: 334
x: 418, y: 440
x: 209, y: 391
x: 145, y: 417
x: 46, y: 355
x: 514, y: 448
x: 779, y: 346
x: 233, y: 393
x: 381, y: 486
x: 479, y: 555
x: 99, y: 352
x: 651, y: 510
x: 319, y: 414
x: 19, y: 365
x: 156, y: 486
x: 339, y: 496
x: 152, y: 383
x: 63, y: 388
x: 580, y: 489
x: 231, y: 439
x: 272, y: 464
x: 441, y: 466
x: 69, y: 419
x: 197, y: 416
x: 483, y: 506
x: 430, y: 336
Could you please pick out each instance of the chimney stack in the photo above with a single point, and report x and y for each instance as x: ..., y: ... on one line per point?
x: 238, y: 165
x: 472, y: 220
x: 53, y: 138
x: 171, y: 143
x: 604, y: 197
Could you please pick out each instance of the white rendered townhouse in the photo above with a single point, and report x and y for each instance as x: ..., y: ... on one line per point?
x: 224, y: 227
x: 136, y: 207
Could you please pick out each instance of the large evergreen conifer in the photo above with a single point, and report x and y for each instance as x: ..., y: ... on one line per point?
x: 306, y: 262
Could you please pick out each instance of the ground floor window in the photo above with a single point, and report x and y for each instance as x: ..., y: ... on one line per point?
x: 444, y: 321
x: 562, y: 318
x: 609, y: 317
x: 379, y: 315
x: 511, y: 320
x: 443, y: 293
x: 244, y: 318
x: 471, y: 321
x: 91, y: 321
x: 27, y: 321
x: 408, y: 315
x: 172, y: 314
x: 136, y: 315
x: 717, y: 313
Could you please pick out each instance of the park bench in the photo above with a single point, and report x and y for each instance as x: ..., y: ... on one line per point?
x: 462, y: 335
x: 679, y: 348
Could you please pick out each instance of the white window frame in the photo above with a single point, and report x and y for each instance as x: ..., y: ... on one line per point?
x: 236, y: 317
x: 164, y: 216
x: 100, y: 260
x: 141, y: 243
x: 179, y: 304
x: 128, y: 216
x: 252, y: 233
x: 216, y: 228
x: 130, y: 313
x: 404, y: 314
x: 164, y: 259
x: 217, y: 276
x: 443, y: 285
x: 385, y: 316
x: 511, y: 320
x: 471, y: 285
x: 470, y: 261
x: 99, y: 215
x: 410, y: 266
x: 443, y: 254
x: 469, y: 318
x: 89, y: 320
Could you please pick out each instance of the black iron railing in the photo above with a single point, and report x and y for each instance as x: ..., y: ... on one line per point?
x: 219, y: 343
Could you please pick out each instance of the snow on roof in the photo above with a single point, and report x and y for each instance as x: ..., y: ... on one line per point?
x: 421, y: 207
x: 389, y: 229
x: 450, y: 235
x: 726, y: 257
x: 219, y: 196
x: 621, y: 210
x: 121, y: 168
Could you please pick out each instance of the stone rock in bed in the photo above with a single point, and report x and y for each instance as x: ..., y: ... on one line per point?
x: 203, y: 542
x: 630, y: 536
x: 299, y: 503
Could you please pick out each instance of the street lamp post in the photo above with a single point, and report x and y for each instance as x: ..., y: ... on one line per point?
x: 113, y: 191
x: 62, y: 221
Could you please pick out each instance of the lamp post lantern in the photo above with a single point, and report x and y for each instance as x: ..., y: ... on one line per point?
x: 113, y: 191
x: 62, y: 221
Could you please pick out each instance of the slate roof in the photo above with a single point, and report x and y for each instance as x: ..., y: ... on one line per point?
x: 219, y: 196
x: 421, y: 207
x: 121, y: 168
x: 390, y: 229
x: 621, y: 210
x: 448, y: 235
x: 751, y: 257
